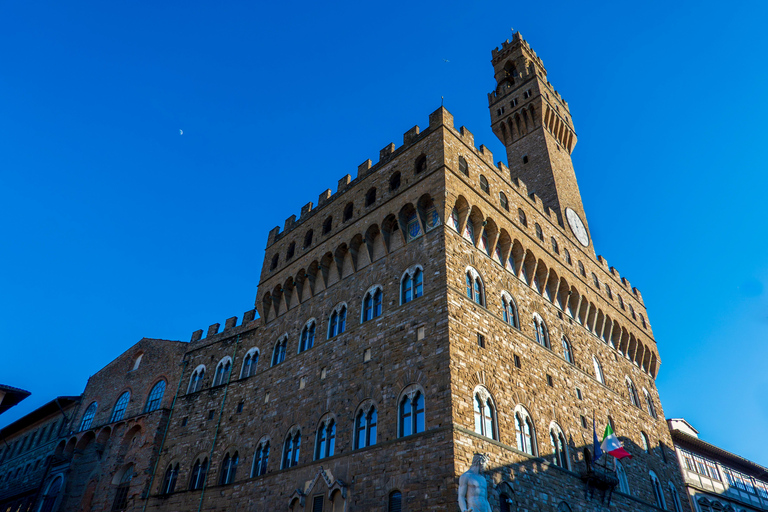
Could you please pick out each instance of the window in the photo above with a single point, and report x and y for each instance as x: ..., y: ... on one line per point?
x: 412, y: 285
x: 559, y: 446
x: 646, y: 443
x: 518, y: 364
x: 307, y: 339
x: 338, y: 321
x: 394, y: 182
x: 563, y: 507
x: 222, y: 371
x: 155, y: 397
x: 485, y: 413
x: 327, y: 225
x: 567, y: 256
x: 642, y: 321
x: 370, y: 196
x: 119, y: 411
x: 509, y: 313
x: 469, y: 231
x: 649, y: 403
x: 484, y: 185
x: 475, y: 289
x: 608, y: 291
x: 480, y: 340
x: 503, y: 201
x: 325, y: 442
x: 505, y: 503
x: 411, y: 414
x: 169, y: 482
x: 549, y: 381
x: 196, y: 380
x: 199, y: 472
x: 90, y: 412
x: 308, y: 239
x: 581, y: 269
x: 633, y: 398
x: 260, y: 460
x: 522, y: 217
x: 421, y: 164
x: 701, y: 465
x: 317, y: 503
x: 621, y: 302
x: 539, y: 232
x: 598, y: 370
x: 433, y: 219
x: 278, y: 354
x: 291, y: 450
x: 395, y: 502
x: 249, y: 363
x: 526, y: 437
x: 229, y: 468
x: 622, y: 476
x: 483, y: 243
x: 632, y: 312
x: 137, y: 362
x: 542, y: 336
x: 595, y: 281
x: 291, y: 250
x: 412, y: 227
x: 525, y: 157
x: 463, y: 167
x: 567, y: 352
x: 454, y: 219
x: 121, y: 496
x: 51, y: 494
x: 273, y: 264
x: 675, y: 498
x: 365, y: 427
x: 348, y: 211
x: 555, y: 247
x: 372, y: 304
x: 657, y: 491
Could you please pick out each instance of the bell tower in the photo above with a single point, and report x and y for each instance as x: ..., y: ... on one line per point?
x: 535, y: 125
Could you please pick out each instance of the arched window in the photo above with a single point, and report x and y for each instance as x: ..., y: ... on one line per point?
x: 526, y: 436
x: 646, y: 443
x: 542, y: 334
x: 657, y: 490
x: 411, y: 285
x: 90, y: 412
x: 598, y: 370
x: 308, y: 239
x: 275, y: 260
x: 372, y: 304
x: 432, y: 218
x: 563, y: 507
x: 199, y: 472
x: 370, y: 196
x: 596, y: 281
x: 633, y: 398
x: 621, y: 302
x: 463, y: 167
x: 169, y: 481
x: 567, y: 352
x: 348, y: 211
x: 649, y: 402
x: 608, y: 291
x: 366, y: 427
x: 327, y: 225
x: 583, y: 272
x: 632, y: 312
x: 509, y: 310
x: 559, y: 446
x: 475, y: 288
x: 484, y: 245
x: 291, y: 251
x: 469, y: 231
x: 196, y: 380
x: 307, y: 338
x: 622, y: 476
x: 412, y: 227
x: 249, y: 363
x: 260, y: 460
x: 395, y: 502
x: 555, y: 247
x: 119, y: 411
x: 539, y: 232
x: 505, y: 503
x: 567, y: 256
x: 411, y: 413
x: 503, y: 201
x: 222, y: 371
x: 137, y: 362
x: 454, y: 219
x: 522, y: 217
x: 394, y: 182
x: 485, y: 413
x: 676, y: 498
x: 229, y: 468
x: 484, y: 185
x: 325, y: 440
x: 291, y: 450
x: 121, y: 495
x: 278, y: 354
x: 51, y: 494
x: 337, y: 321
x: 155, y: 397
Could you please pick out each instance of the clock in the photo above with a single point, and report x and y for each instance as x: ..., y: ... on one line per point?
x: 577, y: 226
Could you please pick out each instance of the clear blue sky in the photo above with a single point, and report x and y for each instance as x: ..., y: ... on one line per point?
x: 116, y: 227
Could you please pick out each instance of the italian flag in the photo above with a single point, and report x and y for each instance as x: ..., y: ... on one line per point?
x: 612, y: 445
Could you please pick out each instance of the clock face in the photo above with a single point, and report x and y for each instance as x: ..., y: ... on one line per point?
x: 577, y: 226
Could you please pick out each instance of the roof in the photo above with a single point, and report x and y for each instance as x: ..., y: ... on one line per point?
x: 52, y: 407
x: 695, y: 444
x: 12, y: 397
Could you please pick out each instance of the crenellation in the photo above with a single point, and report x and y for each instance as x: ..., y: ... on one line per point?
x: 343, y: 183
x: 249, y: 316
x: 196, y: 336
x: 213, y: 329
x: 305, y: 210
x: 363, y: 168
x: 324, y: 197
x: 469, y: 138
x: 289, y: 223
x: 386, y: 152
x: 411, y: 136
x: 273, y: 235
x: 230, y: 323
x: 440, y: 116
x: 486, y: 155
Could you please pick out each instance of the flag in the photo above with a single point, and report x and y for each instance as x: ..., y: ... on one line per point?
x: 595, y: 443
x: 612, y: 445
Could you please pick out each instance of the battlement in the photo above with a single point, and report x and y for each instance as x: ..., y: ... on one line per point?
x: 230, y: 325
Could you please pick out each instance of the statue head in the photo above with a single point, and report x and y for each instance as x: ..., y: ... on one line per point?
x: 480, y: 460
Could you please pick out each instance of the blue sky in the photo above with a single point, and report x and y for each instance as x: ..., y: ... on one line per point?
x: 117, y: 227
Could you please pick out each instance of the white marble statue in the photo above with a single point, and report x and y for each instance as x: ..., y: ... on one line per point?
x: 473, y: 488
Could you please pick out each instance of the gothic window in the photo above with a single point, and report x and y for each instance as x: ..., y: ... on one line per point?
x: 433, y: 219
x: 325, y: 441
x: 559, y: 446
x: 469, y: 231
x: 475, y: 289
x: 649, y: 402
x: 307, y: 338
x: 121, y: 495
x: 598, y: 370
x: 90, y: 412
x: 411, y: 413
x: 503, y: 201
x: 394, y: 182
x: 308, y: 239
x: 484, y: 185
x: 567, y: 256
x: 372, y: 304
x: 463, y: 167
x: 395, y: 502
x: 155, y: 397
x: 621, y: 474
x: 199, y: 471
x: 229, y: 468
x: 421, y: 164
x: 522, y: 217
x: 291, y: 450
x: 366, y: 427
x: 509, y: 313
x: 222, y: 372
x: 542, y: 334
x: 411, y: 285
x: 412, y: 227
x: 327, y: 225
x: 675, y: 498
x: 567, y: 351
x: 196, y: 380
x: 621, y: 302
x: 485, y: 413
x: 337, y: 321
x: 119, y: 411
x: 658, y: 491
x: 539, y: 232
x: 249, y: 363
x: 348, y: 211
x: 555, y: 247
x: 526, y: 436
x: 291, y: 250
x: 273, y: 263
x: 582, y: 271
x: 633, y: 398
x: 455, y: 219
x: 370, y: 196
x: 646, y: 443
x: 632, y: 312
x: 595, y: 281
x: 51, y: 494
x: 169, y: 481
x: 642, y: 321
x: 278, y: 355
x: 260, y: 460
x: 484, y: 245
